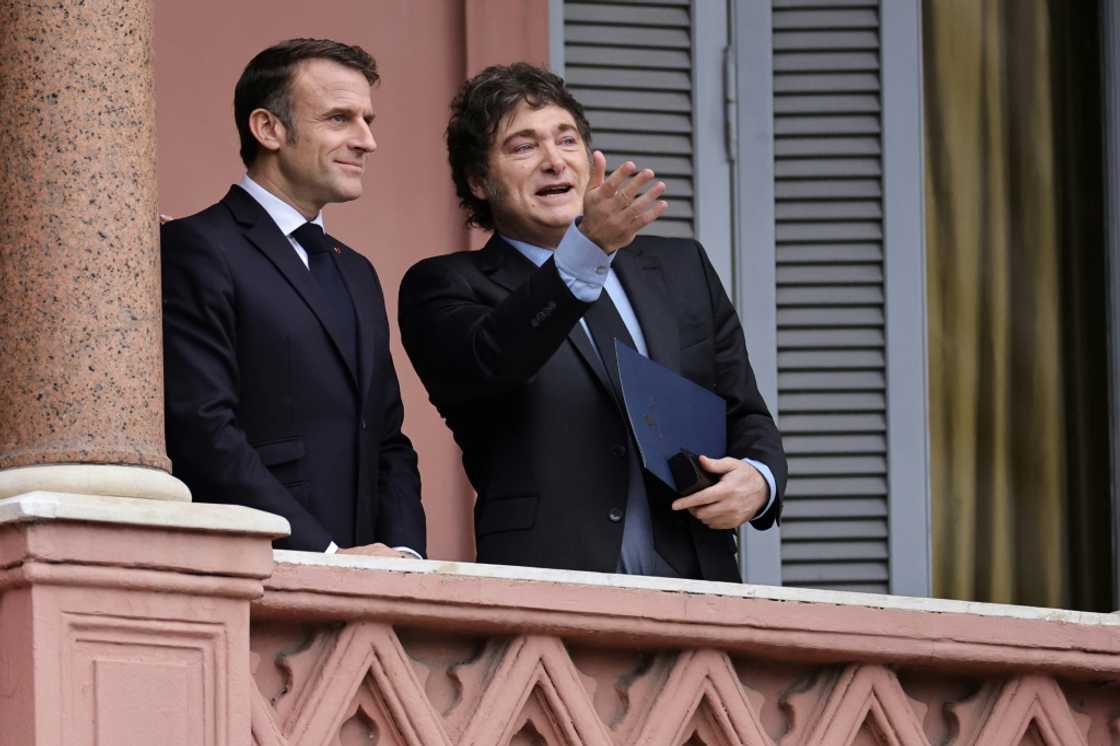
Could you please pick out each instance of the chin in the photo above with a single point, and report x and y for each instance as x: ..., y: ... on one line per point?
x: 347, y: 195
x: 561, y: 216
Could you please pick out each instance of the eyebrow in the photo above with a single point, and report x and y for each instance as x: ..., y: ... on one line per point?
x: 348, y: 111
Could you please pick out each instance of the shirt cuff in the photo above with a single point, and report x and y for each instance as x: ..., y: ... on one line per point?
x: 582, y: 265
x: 331, y: 549
x: 409, y: 550
x: 768, y: 475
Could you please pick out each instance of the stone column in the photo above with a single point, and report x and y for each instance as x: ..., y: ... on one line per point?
x: 81, y: 366
x: 123, y: 620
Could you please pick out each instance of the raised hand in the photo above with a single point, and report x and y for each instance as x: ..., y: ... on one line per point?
x: 615, y: 208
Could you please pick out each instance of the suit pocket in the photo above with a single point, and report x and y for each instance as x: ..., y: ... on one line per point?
x: 507, y: 514
x: 283, y: 458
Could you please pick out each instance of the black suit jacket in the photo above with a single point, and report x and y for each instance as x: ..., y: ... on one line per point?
x: 262, y: 408
x: 497, y: 342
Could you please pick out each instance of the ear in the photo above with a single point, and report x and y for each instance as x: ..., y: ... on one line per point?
x: 268, y: 129
x: 478, y: 188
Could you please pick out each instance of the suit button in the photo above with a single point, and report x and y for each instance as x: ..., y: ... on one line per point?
x: 619, y: 451
x: 363, y: 423
x: 615, y: 515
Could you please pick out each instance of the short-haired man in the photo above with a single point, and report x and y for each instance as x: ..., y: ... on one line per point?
x: 515, y: 345
x: 281, y: 394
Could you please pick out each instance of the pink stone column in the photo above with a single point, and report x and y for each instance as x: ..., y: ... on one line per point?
x: 123, y: 620
x: 80, y: 334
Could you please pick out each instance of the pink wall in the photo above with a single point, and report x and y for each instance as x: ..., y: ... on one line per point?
x: 409, y: 209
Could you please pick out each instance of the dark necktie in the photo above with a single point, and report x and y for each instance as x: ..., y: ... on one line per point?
x: 650, y: 543
x: 336, y: 303
x: 606, y: 326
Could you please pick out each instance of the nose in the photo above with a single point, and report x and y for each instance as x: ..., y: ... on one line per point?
x: 552, y: 158
x: 365, y: 141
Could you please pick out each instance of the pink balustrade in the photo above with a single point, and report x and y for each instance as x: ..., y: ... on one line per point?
x: 352, y: 651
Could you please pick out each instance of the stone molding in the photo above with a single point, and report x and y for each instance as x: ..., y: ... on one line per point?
x: 42, y: 505
x: 802, y: 625
x: 93, y: 479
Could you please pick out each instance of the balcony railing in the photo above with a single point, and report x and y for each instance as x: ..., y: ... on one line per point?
x: 362, y: 650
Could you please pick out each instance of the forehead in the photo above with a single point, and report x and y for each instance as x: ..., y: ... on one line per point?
x: 327, y: 83
x: 541, y: 120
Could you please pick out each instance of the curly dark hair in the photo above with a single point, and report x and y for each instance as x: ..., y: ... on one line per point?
x: 266, y: 82
x: 477, y: 111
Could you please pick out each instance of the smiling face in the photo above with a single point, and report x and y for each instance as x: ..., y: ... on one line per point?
x: 538, y: 171
x: 323, y: 160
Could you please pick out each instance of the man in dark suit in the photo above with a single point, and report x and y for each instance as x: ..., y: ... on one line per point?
x: 281, y: 394
x: 515, y: 345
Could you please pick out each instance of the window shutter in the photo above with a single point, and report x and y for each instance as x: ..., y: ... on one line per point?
x: 631, y: 65
x: 831, y: 305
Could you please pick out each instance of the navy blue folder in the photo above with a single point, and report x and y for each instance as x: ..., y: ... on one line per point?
x: 668, y: 413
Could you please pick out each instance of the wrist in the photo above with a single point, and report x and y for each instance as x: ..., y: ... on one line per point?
x: 591, y: 235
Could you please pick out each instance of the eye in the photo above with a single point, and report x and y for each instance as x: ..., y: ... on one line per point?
x: 569, y: 140
x: 522, y: 147
x: 337, y: 118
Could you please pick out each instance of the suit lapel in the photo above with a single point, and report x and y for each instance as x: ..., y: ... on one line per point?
x: 262, y: 232
x: 504, y: 264
x: 352, y: 266
x: 509, y: 268
x: 644, y: 281
x: 586, y: 349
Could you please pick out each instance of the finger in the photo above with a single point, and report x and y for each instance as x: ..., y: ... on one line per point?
x: 713, y: 519
x: 614, y: 182
x: 649, y: 198
x: 598, y: 169
x: 642, y: 218
x: 720, y: 515
x: 719, y: 465
x: 633, y: 187
x: 706, y: 496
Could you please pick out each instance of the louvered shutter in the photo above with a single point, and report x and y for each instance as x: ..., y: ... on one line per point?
x: 831, y: 356
x: 631, y: 65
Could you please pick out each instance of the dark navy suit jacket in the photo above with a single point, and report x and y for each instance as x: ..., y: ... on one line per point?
x: 262, y: 408
x: 498, y: 345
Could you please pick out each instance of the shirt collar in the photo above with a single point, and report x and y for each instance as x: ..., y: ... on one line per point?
x: 535, y: 254
x: 286, y: 217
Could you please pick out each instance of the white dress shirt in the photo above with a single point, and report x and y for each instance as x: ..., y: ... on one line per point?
x: 288, y: 219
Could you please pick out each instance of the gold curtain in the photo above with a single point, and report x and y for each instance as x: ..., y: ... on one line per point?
x: 997, y: 412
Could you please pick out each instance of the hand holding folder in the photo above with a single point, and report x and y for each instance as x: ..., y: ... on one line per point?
x: 673, y: 420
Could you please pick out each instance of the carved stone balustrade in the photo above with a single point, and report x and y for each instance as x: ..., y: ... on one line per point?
x: 376, y: 651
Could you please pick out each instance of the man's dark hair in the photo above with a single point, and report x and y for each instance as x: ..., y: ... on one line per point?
x: 266, y: 82
x: 479, y: 108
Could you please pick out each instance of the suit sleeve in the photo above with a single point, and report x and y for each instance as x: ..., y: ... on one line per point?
x: 466, y: 346
x: 400, y: 520
x: 207, y: 448
x: 751, y: 432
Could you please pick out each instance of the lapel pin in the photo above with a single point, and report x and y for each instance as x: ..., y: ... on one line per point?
x: 338, y: 251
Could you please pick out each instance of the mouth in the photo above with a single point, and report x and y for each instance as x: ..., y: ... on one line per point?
x: 555, y: 192
x: 352, y: 167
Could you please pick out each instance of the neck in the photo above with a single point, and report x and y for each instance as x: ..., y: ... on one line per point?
x: 545, y: 242
x: 270, y: 180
